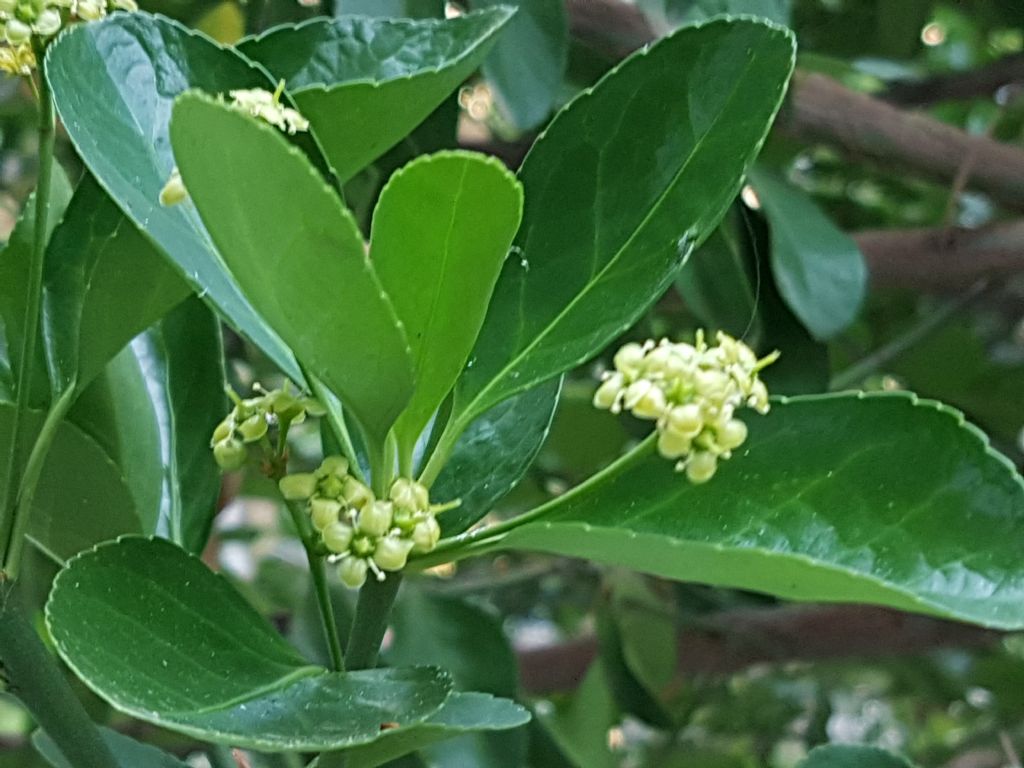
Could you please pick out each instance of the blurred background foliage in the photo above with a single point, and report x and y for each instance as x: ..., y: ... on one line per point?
x: 867, y: 271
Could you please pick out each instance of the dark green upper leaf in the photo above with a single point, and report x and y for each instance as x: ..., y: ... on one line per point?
x: 819, y: 269
x: 114, y: 82
x: 384, y: 76
x: 104, y: 283
x: 298, y: 255
x: 81, y: 499
x: 618, y: 188
x: 493, y: 453
x: 182, y: 362
x: 878, y: 516
x: 527, y: 65
x: 441, y: 230
x: 181, y: 649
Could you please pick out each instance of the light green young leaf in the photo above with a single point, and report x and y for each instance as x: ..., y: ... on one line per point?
x: 114, y: 82
x: 878, y: 516
x: 819, y: 269
x: 297, y: 254
x: 208, y: 665
x: 441, y: 231
x: 364, y: 68
x: 619, y: 187
x: 104, y: 283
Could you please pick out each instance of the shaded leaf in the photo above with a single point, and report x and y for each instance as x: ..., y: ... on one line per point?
x: 363, y: 68
x: 298, y: 255
x: 184, y: 651
x: 128, y: 752
x: 852, y: 756
x: 876, y: 517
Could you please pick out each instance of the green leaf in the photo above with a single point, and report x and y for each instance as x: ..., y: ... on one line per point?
x: 81, y: 499
x: 384, y: 75
x: 679, y: 12
x: 580, y: 725
x: 104, y: 283
x: 14, y: 265
x: 852, y: 756
x: 875, y: 517
x: 527, y: 65
x: 618, y: 188
x: 114, y: 82
x: 819, y: 269
x: 182, y: 360
x: 181, y: 649
x: 462, y: 714
x: 493, y: 454
x: 128, y: 752
x: 441, y: 231
x: 413, y: 9
x: 298, y: 255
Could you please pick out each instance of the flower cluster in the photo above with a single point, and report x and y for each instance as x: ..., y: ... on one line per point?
x: 28, y: 23
x: 250, y: 420
x: 692, y: 391
x: 364, y: 534
x: 267, y: 106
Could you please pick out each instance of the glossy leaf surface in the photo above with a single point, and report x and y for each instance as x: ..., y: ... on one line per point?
x: 184, y: 651
x: 819, y: 269
x: 441, y: 231
x: 81, y: 499
x: 493, y: 454
x: 618, y: 188
x: 104, y: 283
x: 462, y: 714
x: 181, y: 360
x: 876, y: 517
x: 364, y: 68
x: 298, y: 255
x: 528, y: 87
x: 114, y: 83
x: 128, y: 752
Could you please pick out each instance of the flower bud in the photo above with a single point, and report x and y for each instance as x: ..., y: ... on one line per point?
x: 426, y: 535
x: 408, y: 494
x: 253, y: 428
x: 352, y: 572
x: 375, y: 518
x: 334, y: 465
x: 124, y: 5
x: 609, y: 391
x: 297, y: 487
x: 89, y: 10
x: 701, y: 467
x: 230, y: 454
x: 7, y: 7
x: 392, y: 553
x: 646, y: 400
x: 672, y: 445
x: 174, y: 191
x: 758, y: 399
x: 17, y: 32
x: 323, y: 512
x: 686, y: 420
x: 48, y: 23
x: 732, y: 434
x: 337, y: 537
x: 222, y: 432
x: 629, y: 358
x: 355, y: 493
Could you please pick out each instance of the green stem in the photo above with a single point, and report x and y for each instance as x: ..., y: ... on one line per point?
x: 319, y: 574
x: 442, y: 451
x: 373, y: 609
x: 33, y: 303
x: 482, y: 540
x: 35, y: 678
x: 336, y: 421
x: 15, y: 544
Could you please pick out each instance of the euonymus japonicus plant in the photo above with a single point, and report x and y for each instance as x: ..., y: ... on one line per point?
x: 426, y: 334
